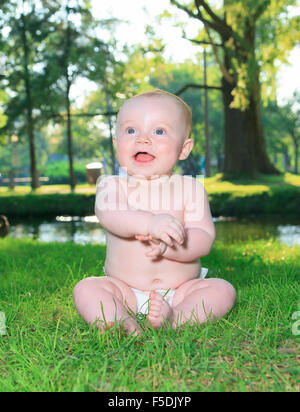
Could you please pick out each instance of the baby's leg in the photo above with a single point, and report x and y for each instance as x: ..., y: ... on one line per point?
x: 201, y: 299
x: 102, y: 301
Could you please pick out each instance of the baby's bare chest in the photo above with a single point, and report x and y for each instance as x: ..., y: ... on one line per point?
x: 167, y: 199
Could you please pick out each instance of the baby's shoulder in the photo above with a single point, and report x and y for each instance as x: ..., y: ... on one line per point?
x: 105, y: 180
x: 107, y: 184
x: 188, y: 182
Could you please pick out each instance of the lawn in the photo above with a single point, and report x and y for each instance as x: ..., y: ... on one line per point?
x: 48, y: 347
x: 214, y: 184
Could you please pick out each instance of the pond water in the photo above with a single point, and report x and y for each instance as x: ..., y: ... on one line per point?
x: 85, y: 230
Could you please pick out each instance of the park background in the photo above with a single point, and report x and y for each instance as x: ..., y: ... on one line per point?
x: 65, y: 69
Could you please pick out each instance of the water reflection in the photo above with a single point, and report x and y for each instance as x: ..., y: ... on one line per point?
x: 87, y: 230
x: 232, y: 231
x: 63, y: 229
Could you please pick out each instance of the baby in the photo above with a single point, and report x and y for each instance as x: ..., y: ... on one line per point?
x: 158, y: 226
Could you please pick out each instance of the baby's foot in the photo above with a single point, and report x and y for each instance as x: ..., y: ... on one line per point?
x: 159, y: 310
x: 130, y: 326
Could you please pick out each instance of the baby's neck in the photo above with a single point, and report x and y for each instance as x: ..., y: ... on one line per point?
x: 150, y: 179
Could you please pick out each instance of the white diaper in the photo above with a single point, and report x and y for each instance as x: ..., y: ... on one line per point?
x: 142, y: 296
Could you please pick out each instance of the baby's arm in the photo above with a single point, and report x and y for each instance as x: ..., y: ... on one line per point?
x: 114, y: 213
x: 116, y: 216
x: 199, y: 228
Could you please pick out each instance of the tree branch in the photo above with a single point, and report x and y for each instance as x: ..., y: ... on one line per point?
x: 219, y: 22
x: 63, y: 115
x: 223, y: 69
x: 260, y: 9
x: 197, y: 16
x: 219, y: 26
x: 203, y: 42
x: 196, y: 86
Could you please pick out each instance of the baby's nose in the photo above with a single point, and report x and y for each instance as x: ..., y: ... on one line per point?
x: 143, y: 138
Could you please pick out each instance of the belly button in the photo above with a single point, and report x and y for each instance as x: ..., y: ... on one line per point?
x: 156, y: 281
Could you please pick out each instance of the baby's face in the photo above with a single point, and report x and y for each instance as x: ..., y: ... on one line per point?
x: 150, y: 135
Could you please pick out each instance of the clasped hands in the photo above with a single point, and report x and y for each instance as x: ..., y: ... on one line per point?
x: 163, y: 230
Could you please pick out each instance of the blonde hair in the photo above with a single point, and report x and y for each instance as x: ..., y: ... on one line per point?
x: 158, y: 93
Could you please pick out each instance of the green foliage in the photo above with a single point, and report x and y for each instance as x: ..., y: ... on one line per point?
x: 3, y: 118
x: 36, y: 205
x: 262, y: 33
x: 58, y: 172
x: 255, y: 34
x: 265, y: 197
x: 172, y: 77
x: 282, y: 127
x: 44, y: 48
x: 264, y: 204
x: 138, y: 68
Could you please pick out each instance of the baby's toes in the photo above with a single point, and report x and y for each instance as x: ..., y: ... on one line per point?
x: 154, y: 310
x: 156, y: 298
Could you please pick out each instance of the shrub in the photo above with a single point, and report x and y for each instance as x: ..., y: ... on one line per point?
x: 58, y: 172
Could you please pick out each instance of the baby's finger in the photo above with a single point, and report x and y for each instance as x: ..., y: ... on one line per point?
x: 177, y: 224
x: 179, y: 231
x: 162, y: 248
x: 141, y: 237
x: 164, y: 236
x: 173, y: 233
x: 154, y: 252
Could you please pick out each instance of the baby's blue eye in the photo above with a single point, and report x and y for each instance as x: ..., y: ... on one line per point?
x: 130, y: 130
x: 159, y: 132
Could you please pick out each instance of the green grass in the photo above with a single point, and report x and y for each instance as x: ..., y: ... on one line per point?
x: 47, y: 189
x: 49, y: 348
x: 214, y: 184
x: 263, y: 183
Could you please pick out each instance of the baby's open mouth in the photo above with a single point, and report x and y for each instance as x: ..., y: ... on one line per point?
x: 143, y: 157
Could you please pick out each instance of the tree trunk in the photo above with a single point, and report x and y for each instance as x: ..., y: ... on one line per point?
x: 206, y: 111
x: 29, y: 117
x: 296, y: 158
x: 296, y: 150
x: 68, y: 105
x: 112, y: 153
x: 286, y: 160
x: 69, y: 136
x: 245, y: 150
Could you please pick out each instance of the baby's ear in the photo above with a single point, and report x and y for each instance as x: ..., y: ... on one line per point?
x: 186, y: 149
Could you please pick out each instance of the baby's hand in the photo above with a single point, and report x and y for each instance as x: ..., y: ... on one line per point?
x: 157, y: 249
x: 166, y: 227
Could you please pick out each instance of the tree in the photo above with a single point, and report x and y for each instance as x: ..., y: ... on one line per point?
x: 289, y: 122
x: 171, y: 76
x: 238, y: 25
x: 74, y: 50
x: 27, y: 25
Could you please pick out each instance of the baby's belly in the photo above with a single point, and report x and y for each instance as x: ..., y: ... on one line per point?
x: 126, y: 260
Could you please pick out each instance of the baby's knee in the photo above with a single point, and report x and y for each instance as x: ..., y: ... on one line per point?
x: 92, y: 286
x: 80, y: 287
x: 85, y: 286
x: 229, y: 292
x: 226, y: 291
